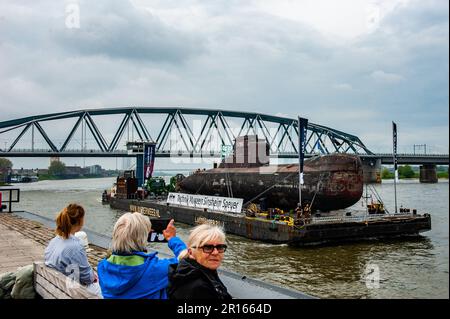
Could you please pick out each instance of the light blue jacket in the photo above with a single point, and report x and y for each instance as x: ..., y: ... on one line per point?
x: 69, y: 257
x: 137, y: 275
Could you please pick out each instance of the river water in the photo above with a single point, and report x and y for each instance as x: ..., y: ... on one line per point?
x: 407, y: 268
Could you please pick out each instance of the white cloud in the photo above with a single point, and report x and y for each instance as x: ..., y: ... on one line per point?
x: 381, y: 76
x: 283, y: 115
x: 345, y: 19
x: 343, y: 86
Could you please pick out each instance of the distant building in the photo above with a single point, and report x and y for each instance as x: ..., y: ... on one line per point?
x: 25, y: 171
x: 95, y: 170
x: 4, y: 172
x: 42, y: 171
x: 74, y: 171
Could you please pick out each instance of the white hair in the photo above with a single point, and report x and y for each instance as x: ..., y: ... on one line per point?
x: 202, y: 234
x: 130, y: 233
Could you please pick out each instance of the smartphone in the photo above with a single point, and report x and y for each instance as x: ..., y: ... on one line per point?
x: 158, y: 225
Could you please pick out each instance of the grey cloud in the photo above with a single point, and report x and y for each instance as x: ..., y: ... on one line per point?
x: 418, y: 15
x: 114, y: 29
x: 117, y: 29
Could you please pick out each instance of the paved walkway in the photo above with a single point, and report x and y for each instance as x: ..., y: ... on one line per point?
x: 16, y: 250
x: 23, y: 241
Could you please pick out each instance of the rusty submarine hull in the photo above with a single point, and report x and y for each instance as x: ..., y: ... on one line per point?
x: 331, y: 182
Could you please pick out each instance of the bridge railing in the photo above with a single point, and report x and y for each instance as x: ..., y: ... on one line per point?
x: 410, y: 155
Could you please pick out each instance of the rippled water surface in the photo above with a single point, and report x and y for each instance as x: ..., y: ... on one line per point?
x: 408, y: 268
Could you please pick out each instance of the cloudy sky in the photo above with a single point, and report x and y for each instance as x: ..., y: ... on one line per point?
x: 354, y: 65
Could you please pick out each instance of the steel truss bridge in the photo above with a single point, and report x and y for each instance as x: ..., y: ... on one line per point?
x: 179, y: 132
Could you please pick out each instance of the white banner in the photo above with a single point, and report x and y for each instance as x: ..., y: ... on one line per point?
x: 212, y: 203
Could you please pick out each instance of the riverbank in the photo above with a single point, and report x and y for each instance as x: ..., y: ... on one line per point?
x: 55, y: 178
x: 442, y: 177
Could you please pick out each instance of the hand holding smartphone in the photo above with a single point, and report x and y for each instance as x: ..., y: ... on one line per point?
x: 159, y: 227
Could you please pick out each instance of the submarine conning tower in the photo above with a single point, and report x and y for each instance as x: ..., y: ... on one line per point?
x: 248, y: 151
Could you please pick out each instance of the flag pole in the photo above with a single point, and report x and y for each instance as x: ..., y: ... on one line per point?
x: 302, y: 127
x: 300, y: 173
x: 394, y: 154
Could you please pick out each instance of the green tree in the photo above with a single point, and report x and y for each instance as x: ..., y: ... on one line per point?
x: 405, y: 172
x: 5, y: 163
x: 56, y: 168
x: 442, y: 174
x: 385, y: 174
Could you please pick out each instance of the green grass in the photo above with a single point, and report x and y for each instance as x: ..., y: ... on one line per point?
x: 442, y: 175
x: 44, y: 177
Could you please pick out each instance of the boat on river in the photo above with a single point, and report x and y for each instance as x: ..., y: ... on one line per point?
x: 251, y: 198
x: 281, y: 227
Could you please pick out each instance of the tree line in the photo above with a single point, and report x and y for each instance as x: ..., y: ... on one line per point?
x: 406, y: 171
x: 55, y: 168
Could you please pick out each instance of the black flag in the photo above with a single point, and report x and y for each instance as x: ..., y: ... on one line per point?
x: 302, y: 127
x: 394, y: 136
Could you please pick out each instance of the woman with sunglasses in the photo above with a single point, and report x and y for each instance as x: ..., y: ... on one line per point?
x: 195, y: 276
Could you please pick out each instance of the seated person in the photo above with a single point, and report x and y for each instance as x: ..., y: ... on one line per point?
x: 66, y: 253
x: 130, y: 272
x: 195, y: 277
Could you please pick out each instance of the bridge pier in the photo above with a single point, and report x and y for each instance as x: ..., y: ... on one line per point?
x: 371, y: 170
x: 428, y: 173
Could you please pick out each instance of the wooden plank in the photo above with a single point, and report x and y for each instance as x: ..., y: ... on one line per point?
x: 52, y: 289
x: 59, y: 281
x: 43, y: 293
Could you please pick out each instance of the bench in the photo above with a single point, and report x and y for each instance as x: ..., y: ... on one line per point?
x: 51, y: 284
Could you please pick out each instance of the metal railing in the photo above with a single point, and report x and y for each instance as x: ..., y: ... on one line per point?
x: 13, y: 196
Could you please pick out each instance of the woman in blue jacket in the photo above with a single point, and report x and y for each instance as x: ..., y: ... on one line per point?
x: 130, y: 272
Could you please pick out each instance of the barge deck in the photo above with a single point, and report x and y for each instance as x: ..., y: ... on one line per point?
x: 318, y: 230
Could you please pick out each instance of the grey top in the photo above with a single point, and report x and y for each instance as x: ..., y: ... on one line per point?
x: 69, y: 257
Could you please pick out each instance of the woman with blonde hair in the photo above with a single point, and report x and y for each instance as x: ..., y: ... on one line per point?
x: 66, y: 253
x: 130, y: 272
x: 196, y: 277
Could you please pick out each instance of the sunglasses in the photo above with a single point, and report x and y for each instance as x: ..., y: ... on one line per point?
x: 221, y: 248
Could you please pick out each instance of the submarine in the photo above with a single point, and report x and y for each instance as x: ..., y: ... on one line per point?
x: 331, y: 181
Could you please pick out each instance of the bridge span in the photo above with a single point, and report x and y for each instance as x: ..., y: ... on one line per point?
x: 384, y: 158
x: 185, y: 132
